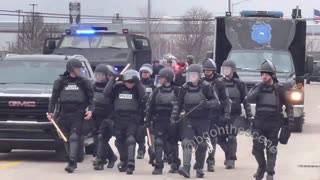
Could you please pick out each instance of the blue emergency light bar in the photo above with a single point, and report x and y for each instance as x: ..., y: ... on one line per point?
x: 85, y: 31
x: 275, y: 14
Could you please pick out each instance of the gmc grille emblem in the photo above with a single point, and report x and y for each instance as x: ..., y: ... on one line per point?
x: 22, y: 104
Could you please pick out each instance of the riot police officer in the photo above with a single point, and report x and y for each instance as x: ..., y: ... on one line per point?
x: 269, y: 97
x: 101, y: 116
x: 158, y: 113
x: 237, y: 91
x: 199, y: 96
x: 75, y: 94
x: 145, y: 76
x: 216, y: 121
x: 128, y: 98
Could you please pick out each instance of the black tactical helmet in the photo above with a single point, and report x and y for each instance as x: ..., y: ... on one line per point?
x: 230, y: 63
x: 167, y: 73
x: 146, y: 67
x: 102, y: 68
x: 106, y: 69
x: 111, y: 70
x: 267, y: 67
x: 195, y: 68
x: 209, y: 64
x: 73, y: 63
x: 130, y: 74
x: 190, y: 59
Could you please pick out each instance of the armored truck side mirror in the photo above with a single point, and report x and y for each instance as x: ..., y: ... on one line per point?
x: 52, y: 44
x: 310, y: 61
x: 138, y: 44
x: 49, y: 46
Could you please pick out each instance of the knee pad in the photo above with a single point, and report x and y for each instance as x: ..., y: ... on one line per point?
x: 131, y: 140
x: 158, y: 142
x: 202, y: 146
x: 74, y: 137
x: 187, y: 143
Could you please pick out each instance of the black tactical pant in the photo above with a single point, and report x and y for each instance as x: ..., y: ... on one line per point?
x: 195, y: 135
x: 125, y: 130
x: 141, y: 139
x: 227, y: 136
x: 265, y: 136
x: 71, y: 125
x: 166, y: 138
x: 104, y: 134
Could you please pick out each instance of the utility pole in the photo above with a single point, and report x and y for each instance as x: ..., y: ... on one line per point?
x: 148, y: 19
x: 32, y: 37
x: 229, y: 6
x: 19, y: 11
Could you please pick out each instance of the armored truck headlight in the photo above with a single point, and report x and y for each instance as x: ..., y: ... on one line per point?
x: 296, y: 96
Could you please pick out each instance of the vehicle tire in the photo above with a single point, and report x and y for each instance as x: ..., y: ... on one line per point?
x: 308, y: 81
x: 298, y: 124
x: 5, y: 150
x: 90, y: 149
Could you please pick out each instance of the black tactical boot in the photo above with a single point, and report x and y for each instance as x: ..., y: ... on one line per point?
x: 99, y: 164
x: 112, y: 161
x: 122, y: 167
x: 174, y: 169
x: 141, y: 154
x: 157, y: 171
x: 130, y: 170
x: 230, y: 164
x: 210, y: 167
x: 269, y: 177
x: 184, y: 171
x: 260, y: 173
x: 200, y: 173
x: 71, y: 167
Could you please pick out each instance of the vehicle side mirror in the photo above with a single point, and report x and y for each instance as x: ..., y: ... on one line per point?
x: 49, y: 46
x: 310, y: 61
x: 52, y: 44
x: 138, y: 44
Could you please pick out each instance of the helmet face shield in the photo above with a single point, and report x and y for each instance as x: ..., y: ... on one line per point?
x: 193, y: 77
x: 227, y: 71
x: 100, y: 77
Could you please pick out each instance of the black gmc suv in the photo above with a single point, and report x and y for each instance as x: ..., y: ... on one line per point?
x: 25, y: 89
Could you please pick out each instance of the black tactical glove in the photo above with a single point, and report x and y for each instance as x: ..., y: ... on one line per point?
x: 147, y: 124
x: 285, y: 134
x: 172, y: 121
x: 227, y: 117
x: 136, y: 80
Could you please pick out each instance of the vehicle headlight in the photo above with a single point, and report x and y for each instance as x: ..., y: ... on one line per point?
x: 296, y: 96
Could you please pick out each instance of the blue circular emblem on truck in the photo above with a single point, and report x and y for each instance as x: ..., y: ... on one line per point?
x: 261, y: 33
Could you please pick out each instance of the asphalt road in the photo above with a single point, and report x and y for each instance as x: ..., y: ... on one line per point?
x: 303, y: 149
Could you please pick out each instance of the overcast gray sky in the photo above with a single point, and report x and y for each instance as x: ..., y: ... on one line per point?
x: 163, y: 7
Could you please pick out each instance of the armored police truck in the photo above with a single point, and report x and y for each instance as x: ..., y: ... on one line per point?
x: 258, y: 35
x: 315, y: 75
x: 100, y: 45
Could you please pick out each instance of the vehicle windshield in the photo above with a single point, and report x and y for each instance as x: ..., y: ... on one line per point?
x: 252, y: 60
x: 106, y: 41
x: 32, y: 72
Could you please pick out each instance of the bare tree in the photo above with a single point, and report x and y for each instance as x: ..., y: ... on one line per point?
x: 32, y: 35
x: 197, y: 33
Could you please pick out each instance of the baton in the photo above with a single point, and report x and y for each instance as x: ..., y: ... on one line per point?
x: 194, y: 108
x: 123, y: 70
x: 149, y: 137
x: 58, y: 129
